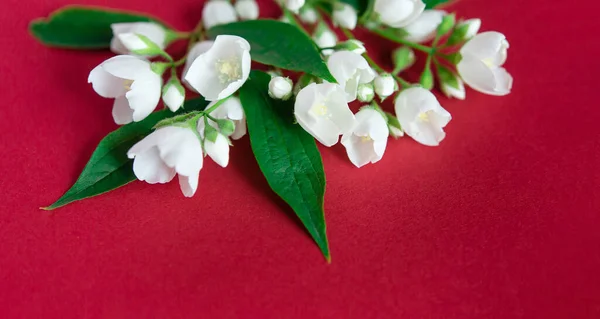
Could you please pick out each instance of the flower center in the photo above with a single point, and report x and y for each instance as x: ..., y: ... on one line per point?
x: 489, y: 62
x: 320, y: 110
x: 229, y: 69
x: 365, y: 139
x: 424, y: 116
x: 127, y: 84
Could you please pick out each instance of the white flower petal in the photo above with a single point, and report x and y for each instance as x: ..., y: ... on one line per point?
x: 218, y: 12
x: 126, y: 67
x: 121, y: 112
x: 148, y: 167
x: 106, y: 84
x: 173, y: 98
x: 477, y: 74
x: 144, y: 95
x: 189, y: 184
x: 367, y: 142
x: 247, y: 9
x: 294, y: 5
x: 345, y: 16
x: 424, y: 28
x: 180, y: 148
x: 195, y: 52
x: 218, y: 150
x: 398, y: 13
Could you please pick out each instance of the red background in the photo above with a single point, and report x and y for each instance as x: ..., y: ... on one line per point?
x: 501, y: 221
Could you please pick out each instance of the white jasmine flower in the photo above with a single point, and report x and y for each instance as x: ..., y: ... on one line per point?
x: 308, y: 15
x: 421, y: 116
x: 280, y: 88
x: 345, y: 16
x: 294, y: 5
x: 153, y: 31
x: 481, y: 64
x: 385, y: 85
x: 222, y: 70
x: 322, y: 110
x: 424, y: 28
x: 218, y: 12
x: 366, y: 143
x: 247, y: 9
x: 350, y: 69
x: 217, y: 150
x: 168, y: 151
x: 232, y: 110
x: 131, y: 82
x: 398, y: 13
x: 450, y: 84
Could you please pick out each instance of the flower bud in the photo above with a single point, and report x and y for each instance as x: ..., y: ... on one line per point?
x: 394, y: 125
x: 325, y: 38
x: 385, y: 85
x: 280, y: 88
x: 139, y: 44
x: 345, y: 16
x: 173, y: 94
x: 464, y: 31
x: 404, y: 58
x: 308, y: 15
x: 427, y: 79
x: 246, y: 9
x: 365, y: 92
x: 353, y: 45
x: 450, y: 84
x: 448, y: 22
x: 294, y: 5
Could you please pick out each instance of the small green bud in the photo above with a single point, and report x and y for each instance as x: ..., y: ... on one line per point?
x: 304, y: 80
x: 227, y: 127
x: 366, y: 92
x: 447, y: 24
x: 454, y: 58
x: 394, y: 125
x: 464, y: 31
x: 404, y: 58
x: 427, y: 79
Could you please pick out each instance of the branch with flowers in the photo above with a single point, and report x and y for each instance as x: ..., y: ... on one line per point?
x: 212, y: 96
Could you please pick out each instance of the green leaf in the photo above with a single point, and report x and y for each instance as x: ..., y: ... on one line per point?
x: 109, y: 168
x: 81, y: 27
x: 278, y: 44
x: 287, y: 155
x: 430, y: 4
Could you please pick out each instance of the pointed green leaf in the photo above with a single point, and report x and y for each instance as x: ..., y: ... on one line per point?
x: 81, y: 27
x: 109, y: 168
x: 278, y: 44
x: 287, y: 155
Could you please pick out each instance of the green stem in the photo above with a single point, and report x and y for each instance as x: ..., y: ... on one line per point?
x: 392, y: 37
x: 215, y: 106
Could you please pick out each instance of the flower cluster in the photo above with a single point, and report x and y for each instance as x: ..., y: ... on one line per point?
x: 217, y: 69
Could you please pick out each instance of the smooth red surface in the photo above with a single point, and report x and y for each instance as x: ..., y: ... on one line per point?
x: 501, y: 221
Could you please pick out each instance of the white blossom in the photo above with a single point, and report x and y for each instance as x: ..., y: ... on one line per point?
x: 131, y: 82
x: 168, y: 151
x: 481, y: 64
x: 385, y: 85
x: 247, y: 9
x: 280, y: 88
x: 153, y: 31
x: 350, y: 69
x: 294, y: 5
x: 398, y: 13
x: 222, y: 70
x: 325, y: 38
x: 231, y: 109
x: 195, y: 51
x: 421, y: 116
x: 367, y: 142
x: 322, y: 110
x: 218, y: 12
x: 424, y: 28
x: 345, y: 16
